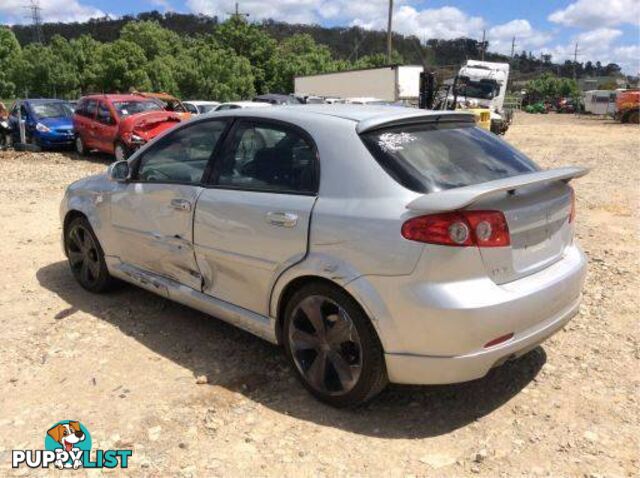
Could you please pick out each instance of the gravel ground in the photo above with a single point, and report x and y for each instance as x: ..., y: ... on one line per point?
x: 127, y: 364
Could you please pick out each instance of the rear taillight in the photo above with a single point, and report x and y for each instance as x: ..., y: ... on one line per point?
x: 461, y: 229
x: 572, y: 212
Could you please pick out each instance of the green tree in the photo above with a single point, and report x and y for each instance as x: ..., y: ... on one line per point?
x: 301, y: 55
x: 34, y: 71
x: 123, y: 67
x: 162, y: 72
x: 207, y: 71
x: 10, y: 51
x: 85, y: 55
x: 64, y: 71
x: 252, y: 42
x: 152, y: 38
x: 378, y: 59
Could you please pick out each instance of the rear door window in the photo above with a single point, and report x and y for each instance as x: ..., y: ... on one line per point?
x: 429, y: 158
x: 268, y: 157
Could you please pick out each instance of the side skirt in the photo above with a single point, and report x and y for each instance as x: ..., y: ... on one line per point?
x: 263, y: 327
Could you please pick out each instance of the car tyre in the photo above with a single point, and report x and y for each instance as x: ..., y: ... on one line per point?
x: 332, y: 346
x: 85, y: 256
x: 121, y: 152
x: 81, y: 149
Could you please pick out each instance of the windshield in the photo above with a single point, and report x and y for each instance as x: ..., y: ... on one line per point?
x: 52, y: 110
x: 485, y: 90
x: 171, y: 105
x: 132, y: 107
x: 429, y: 158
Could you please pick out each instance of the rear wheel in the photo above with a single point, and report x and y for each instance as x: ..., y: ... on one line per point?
x: 333, y: 347
x: 632, y: 117
x: 85, y: 256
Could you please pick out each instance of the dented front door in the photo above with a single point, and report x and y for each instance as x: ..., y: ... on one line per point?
x: 153, y: 223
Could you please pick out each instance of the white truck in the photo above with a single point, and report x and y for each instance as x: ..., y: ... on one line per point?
x: 483, y: 84
x: 392, y: 84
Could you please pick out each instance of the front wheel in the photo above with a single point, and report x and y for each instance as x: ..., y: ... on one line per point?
x: 81, y: 149
x: 333, y: 347
x: 85, y: 256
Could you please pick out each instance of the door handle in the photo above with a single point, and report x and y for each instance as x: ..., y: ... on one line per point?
x: 282, y: 219
x: 181, y: 204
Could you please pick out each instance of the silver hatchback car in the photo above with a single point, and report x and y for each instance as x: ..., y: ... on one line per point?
x: 375, y: 244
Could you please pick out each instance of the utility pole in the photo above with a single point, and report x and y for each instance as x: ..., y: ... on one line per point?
x: 389, y: 32
x: 238, y: 14
x: 35, y: 14
x: 482, y: 47
x: 575, y: 61
x: 513, y: 46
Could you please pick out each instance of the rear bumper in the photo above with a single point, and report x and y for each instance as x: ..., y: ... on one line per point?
x: 425, y: 370
x: 434, y: 330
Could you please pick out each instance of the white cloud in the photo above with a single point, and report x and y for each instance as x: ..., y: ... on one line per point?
x: 599, y: 45
x: 598, y: 13
x: 501, y: 36
x: 445, y: 22
x: 52, y: 11
x: 628, y: 57
x: 292, y: 11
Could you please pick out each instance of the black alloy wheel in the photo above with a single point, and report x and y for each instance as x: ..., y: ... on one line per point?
x: 333, y: 346
x: 85, y: 256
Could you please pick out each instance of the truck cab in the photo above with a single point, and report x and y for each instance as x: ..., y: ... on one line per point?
x: 483, y: 84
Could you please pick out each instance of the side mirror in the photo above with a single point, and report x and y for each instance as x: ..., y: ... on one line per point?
x: 119, y: 171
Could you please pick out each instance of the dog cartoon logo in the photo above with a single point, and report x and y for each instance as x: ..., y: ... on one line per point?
x: 73, y: 438
x: 67, y: 444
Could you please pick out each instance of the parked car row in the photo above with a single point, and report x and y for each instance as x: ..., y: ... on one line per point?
x: 115, y: 124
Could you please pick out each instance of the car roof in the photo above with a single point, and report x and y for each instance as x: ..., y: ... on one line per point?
x: 274, y: 96
x: 247, y: 104
x: 36, y: 101
x: 364, y: 117
x: 201, y: 102
x: 117, y: 97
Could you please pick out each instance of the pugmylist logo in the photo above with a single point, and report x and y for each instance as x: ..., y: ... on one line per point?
x: 68, y: 445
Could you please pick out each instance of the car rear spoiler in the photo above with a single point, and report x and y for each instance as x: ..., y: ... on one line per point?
x: 459, y: 198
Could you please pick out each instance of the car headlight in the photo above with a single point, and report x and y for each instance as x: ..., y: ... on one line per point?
x: 42, y: 128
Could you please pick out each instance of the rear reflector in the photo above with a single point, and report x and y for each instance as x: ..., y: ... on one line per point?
x: 498, y: 340
x: 460, y: 229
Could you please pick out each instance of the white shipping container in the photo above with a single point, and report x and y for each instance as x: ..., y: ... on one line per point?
x: 390, y: 83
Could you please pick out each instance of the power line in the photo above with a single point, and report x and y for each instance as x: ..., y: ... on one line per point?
x: 389, y: 32
x: 35, y: 15
x: 238, y: 14
x: 575, y: 61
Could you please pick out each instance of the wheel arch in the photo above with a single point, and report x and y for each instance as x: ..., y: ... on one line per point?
x: 68, y: 218
x: 301, y: 281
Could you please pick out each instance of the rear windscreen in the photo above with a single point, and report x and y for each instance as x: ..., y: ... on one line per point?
x: 429, y: 157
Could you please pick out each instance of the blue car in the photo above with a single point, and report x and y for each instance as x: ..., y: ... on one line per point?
x: 48, y: 122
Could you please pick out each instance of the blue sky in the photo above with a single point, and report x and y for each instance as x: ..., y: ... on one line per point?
x: 606, y: 30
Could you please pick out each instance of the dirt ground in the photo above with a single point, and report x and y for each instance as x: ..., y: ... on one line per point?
x: 126, y: 364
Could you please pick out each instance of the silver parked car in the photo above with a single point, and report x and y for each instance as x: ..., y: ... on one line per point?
x: 375, y: 244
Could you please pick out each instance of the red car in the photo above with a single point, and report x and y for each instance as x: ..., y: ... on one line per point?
x: 119, y: 124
